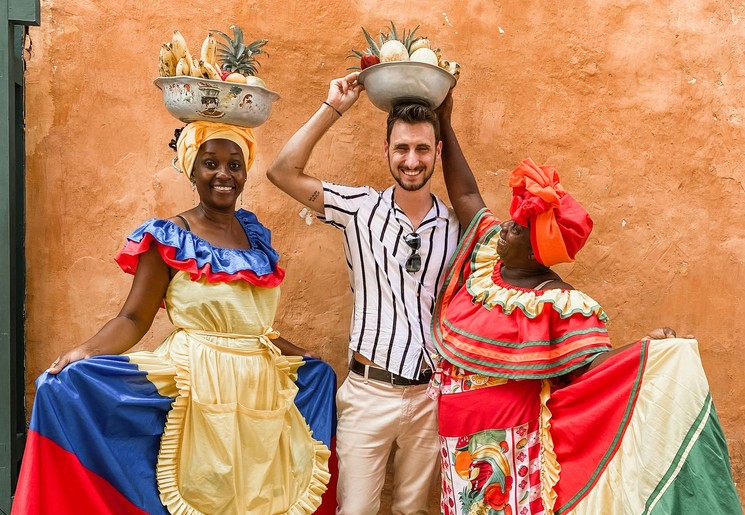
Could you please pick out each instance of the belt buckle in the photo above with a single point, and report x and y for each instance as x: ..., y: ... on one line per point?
x: 397, y: 380
x: 426, y: 376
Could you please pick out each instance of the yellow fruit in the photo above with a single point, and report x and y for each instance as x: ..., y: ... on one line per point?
x: 167, y: 61
x: 170, y: 59
x: 179, y: 45
x: 181, y: 51
x: 454, y: 69
x: 253, y: 80
x: 193, y: 66
x: 417, y: 44
x: 209, y: 50
x: 208, y: 71
x: 181, y: 67
x: 236, y: 77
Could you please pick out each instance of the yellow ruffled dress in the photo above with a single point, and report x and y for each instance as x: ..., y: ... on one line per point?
x: 208, y: 423
x: 234, y: 441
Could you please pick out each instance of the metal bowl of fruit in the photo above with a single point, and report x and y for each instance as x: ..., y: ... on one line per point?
x: 193, y: 98
x: 388, y: 84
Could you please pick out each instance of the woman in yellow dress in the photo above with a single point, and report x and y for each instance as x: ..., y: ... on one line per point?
x: 208, y: 422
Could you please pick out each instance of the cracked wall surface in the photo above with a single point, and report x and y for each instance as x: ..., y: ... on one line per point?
x: 640, y: 105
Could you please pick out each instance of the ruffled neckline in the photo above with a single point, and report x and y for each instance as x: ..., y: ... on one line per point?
x: 184, y: 250
x: 488, y: 288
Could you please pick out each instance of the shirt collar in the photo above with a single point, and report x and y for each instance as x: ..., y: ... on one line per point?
x: 439, y: 209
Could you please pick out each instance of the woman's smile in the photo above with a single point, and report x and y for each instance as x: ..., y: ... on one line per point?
x: 222, y: 187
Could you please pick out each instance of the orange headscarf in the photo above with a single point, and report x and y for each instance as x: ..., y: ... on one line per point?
x: 559, y: 225
x: 196, y: 133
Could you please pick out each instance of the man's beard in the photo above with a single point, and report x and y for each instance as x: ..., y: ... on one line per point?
x: 427, y: 175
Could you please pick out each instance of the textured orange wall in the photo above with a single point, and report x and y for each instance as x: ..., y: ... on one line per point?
x: 639, y: 104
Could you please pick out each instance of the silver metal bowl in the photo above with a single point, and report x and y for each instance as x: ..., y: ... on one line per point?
x: 190, y: 99
x: 388, y: 84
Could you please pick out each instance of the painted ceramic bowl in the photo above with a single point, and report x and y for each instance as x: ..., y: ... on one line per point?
x: 388, y: 84
x: 190, y: 99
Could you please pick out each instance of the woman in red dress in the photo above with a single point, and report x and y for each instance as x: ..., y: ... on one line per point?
x: 537, y: 413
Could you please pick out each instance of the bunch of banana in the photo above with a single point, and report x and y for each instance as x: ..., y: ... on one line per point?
x: 451, y: 67
x: 167, y: 62
x: 175, y: 58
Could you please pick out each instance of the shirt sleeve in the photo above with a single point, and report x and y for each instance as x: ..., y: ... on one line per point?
x: 341, y: 203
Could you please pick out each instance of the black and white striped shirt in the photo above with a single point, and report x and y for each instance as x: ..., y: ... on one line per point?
x: 392, y: 308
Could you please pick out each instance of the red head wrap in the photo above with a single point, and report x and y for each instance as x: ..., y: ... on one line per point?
x: 559, y: 225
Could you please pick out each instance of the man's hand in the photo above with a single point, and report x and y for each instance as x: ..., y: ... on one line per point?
x: 344, y: 92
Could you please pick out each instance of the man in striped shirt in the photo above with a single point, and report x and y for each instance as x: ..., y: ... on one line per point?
x: 397, y: 243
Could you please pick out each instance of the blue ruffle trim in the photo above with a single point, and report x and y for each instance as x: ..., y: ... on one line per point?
x: 261, y: 258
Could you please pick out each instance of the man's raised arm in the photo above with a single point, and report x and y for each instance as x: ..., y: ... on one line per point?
x: 287, y: 170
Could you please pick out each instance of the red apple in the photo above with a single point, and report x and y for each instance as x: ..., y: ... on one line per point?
x: 368, y: 60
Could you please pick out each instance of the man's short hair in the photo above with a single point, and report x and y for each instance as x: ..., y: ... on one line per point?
x: 412, y: 113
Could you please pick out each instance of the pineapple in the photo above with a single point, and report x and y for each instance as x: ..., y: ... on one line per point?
x: 404, y: 46
x: 236, y: 56
x: 406, y: 39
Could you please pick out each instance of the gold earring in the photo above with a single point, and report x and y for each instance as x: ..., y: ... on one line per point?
x: 193, y: 191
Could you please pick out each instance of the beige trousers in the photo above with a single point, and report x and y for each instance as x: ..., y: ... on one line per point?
x: 372, y: 416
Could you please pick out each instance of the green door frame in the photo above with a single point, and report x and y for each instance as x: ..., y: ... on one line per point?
x: 17, y: 15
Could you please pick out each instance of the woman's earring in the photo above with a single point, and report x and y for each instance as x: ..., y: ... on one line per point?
x: 241, y: 200
x: 193, y: 192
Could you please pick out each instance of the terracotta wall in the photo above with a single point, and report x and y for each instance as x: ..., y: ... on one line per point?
x: 638, y: 103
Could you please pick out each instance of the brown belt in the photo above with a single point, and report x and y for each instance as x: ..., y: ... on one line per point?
x: 382, y: 375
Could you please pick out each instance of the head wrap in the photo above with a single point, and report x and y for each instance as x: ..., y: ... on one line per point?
x: 196, y: 133
x: 559, y: 225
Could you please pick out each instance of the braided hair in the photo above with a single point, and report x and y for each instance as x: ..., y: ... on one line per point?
x: 176, y: 135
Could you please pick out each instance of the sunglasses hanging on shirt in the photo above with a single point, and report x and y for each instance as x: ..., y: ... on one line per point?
x: 414, y: 261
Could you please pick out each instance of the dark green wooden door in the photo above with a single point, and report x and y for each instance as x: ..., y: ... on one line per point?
x: 15, y: 16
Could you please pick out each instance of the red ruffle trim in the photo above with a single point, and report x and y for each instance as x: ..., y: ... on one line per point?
x: 129, y: 257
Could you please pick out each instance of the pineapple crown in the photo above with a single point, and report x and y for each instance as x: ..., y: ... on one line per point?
x: 235, y: 55
x: 407, y: 38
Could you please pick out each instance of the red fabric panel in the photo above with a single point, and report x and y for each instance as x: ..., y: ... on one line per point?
x: 63, y: 477
x: 588, y: 414
x: 328, y: 501
x: 503, y: 406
